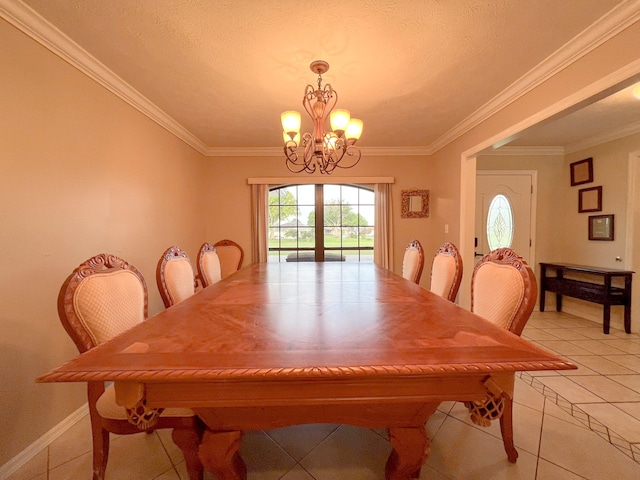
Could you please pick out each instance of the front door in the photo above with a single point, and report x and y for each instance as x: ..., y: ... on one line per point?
x: 504, y: 212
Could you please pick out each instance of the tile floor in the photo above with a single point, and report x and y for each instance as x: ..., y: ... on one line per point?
x: 582, y: 424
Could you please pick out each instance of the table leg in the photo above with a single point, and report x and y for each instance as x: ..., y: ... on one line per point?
x: 410, y: 450
x: 219, y: 455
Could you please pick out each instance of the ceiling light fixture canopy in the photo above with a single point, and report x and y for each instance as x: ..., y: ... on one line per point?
x: 323, y: 150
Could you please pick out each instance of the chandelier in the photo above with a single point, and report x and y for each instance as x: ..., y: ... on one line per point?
x: 323, y: 150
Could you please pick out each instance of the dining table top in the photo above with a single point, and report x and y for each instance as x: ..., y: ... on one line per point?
x: 298, y: 321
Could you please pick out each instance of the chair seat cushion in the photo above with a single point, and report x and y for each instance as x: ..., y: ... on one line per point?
x: 108, y: 408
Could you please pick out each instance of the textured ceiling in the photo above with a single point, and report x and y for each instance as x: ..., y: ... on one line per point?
x: 411, y: 70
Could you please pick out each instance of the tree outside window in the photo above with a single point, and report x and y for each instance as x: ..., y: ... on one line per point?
x: 345, y: 212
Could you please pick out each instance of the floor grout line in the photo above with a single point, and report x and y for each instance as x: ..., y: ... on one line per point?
x: 588, y: 421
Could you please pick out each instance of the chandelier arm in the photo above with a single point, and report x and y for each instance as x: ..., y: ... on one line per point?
x: 350, y: 151
x: 309, y: 94
x: 331, y: 97
x: 292, y: 159
x: 294, y: 163
x: 323, y: 160
x: 331, y: 160
x: 309, y: 157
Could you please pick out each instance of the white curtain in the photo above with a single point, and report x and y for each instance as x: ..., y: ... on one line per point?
x: 259, y: 222
x: 383, y: 232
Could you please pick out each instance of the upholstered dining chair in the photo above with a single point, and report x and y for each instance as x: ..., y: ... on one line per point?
x: 209, y: 270
x: 503, y: 291
x: 446, y: 271
x: 175, y: 276
x: 413, y: 261
x: 231, y: 256
x: 103, y: 297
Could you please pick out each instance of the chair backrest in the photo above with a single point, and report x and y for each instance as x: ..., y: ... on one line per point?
x: 208, y: 265
x: 230, y: 255
x: 446, y: 271
x: 503, y: 289
x: 413, y: 261
x: 175, y: 276
x: 101, y: 298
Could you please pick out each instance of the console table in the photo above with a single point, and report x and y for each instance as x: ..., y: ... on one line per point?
x: 603, y: 293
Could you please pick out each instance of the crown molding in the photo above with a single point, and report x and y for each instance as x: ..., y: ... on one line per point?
x: 505, y: 136
x: 397, y: 151
x: 35, y: 26
x: 244, y: 152
x: 609, y: 25
x: 525, y: 151
x: 625, y: 131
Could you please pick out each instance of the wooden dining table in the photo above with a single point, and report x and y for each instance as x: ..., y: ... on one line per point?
x: 279, y: 344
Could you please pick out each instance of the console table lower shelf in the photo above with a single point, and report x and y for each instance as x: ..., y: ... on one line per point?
x: 602, y: 293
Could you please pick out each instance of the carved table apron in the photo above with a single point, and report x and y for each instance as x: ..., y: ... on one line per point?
x: 296, y: 343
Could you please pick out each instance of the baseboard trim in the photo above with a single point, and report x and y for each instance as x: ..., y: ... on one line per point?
x: 44, y: 441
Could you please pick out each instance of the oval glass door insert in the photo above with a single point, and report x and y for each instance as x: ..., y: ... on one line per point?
x: 500, y: 223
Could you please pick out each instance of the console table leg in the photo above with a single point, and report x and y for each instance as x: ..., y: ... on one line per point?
x: 219, y: 455
x: 606, y: 319
x: 558, y: 302
x: 627, y: 318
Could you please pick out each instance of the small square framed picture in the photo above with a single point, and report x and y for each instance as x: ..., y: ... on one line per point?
x: 582, y: 171
x: 590, y: 199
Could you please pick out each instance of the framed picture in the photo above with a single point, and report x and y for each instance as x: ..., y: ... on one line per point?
x: 415, y: 204
x: 590, y: 199
x: 601, y: 227
x: 582, y: 171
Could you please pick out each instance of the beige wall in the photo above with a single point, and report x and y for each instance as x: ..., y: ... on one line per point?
x: 82, y: 173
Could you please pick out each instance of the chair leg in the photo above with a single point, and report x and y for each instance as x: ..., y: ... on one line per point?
x: 188, y: 440
x: 506, y: 427
x: 100, y: 450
